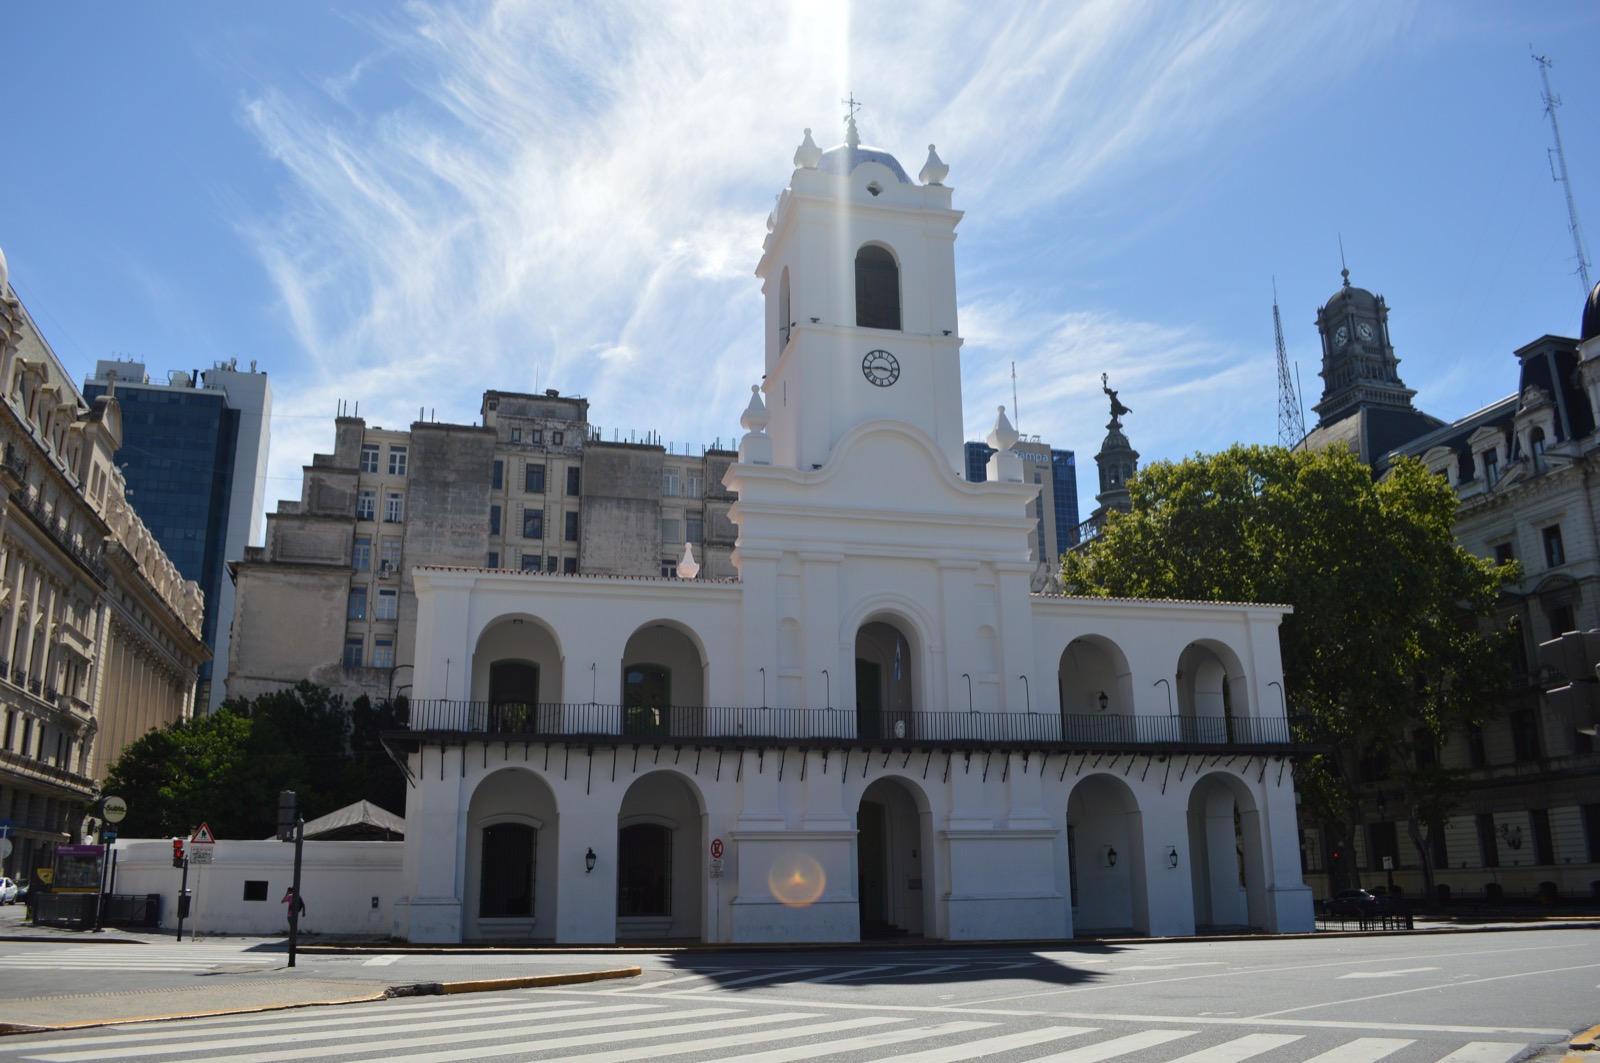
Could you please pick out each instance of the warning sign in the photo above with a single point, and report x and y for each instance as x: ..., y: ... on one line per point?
x: 203, y: 836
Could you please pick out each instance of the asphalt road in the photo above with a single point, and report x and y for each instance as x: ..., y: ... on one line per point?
x: 1467, y: 998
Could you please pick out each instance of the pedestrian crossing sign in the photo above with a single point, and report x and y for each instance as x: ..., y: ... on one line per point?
x: 203, y: 836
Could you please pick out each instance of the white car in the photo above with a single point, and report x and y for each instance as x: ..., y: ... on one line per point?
x: 8, y: 891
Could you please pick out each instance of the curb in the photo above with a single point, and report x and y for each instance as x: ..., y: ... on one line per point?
x: 1582, y: 1045
x: 415, y: 989
x: 491, y: 985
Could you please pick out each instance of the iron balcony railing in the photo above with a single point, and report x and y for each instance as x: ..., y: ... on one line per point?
x: 700, y: 723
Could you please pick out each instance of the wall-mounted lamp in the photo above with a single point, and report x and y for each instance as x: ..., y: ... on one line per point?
x: 1103, y: 700
x: 1111, y: 857
x: 588, y: 861
x: 1172, y: 857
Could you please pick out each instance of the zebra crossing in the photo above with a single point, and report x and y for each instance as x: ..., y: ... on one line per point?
x: 189, y: 956
x: 600, y: 1028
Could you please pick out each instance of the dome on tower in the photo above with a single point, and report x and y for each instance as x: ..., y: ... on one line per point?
x: 843, y: 159
x: 1348, y: 294
x: 1591, y: 315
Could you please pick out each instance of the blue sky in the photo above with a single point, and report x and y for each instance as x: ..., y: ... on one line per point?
x: 405, y: 205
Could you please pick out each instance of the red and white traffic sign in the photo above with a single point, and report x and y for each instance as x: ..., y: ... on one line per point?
x: 716, y: 848
x: 203, y: 836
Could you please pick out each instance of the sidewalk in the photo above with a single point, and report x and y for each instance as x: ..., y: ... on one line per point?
x: 324, y: 975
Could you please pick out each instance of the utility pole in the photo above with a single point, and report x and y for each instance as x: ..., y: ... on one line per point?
x: 1558, y: 170
x: 1291, y: 421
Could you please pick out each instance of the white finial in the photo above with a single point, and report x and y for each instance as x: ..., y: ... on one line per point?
x: 688, y: 568
x: 1002, y: 436
x: 934, y: 171
x: 851, y: 137
x: 807, y: 155
x: 755, y: 416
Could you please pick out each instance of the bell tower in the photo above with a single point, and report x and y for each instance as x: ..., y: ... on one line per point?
x: 858, y: 270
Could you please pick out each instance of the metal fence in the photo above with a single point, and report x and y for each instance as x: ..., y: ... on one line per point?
x: 580, y: 720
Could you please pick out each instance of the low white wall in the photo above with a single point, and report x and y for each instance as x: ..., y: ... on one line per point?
x: 348, y: 887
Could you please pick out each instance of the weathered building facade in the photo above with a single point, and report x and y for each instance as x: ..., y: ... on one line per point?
x: 531, y: 488
x: 100, y: 637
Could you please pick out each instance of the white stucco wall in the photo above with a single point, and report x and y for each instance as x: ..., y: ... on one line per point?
x: 339, y: 880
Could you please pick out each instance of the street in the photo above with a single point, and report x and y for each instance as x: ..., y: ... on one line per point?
x: 1405, y: 999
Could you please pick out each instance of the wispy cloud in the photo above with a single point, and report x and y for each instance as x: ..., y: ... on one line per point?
x: 581, y: 188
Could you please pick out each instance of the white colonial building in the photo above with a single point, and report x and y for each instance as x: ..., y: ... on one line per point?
x: 884, y: 723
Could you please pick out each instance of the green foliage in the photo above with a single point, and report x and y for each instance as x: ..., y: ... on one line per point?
x: 226, y: 769
x: 1385, y: 636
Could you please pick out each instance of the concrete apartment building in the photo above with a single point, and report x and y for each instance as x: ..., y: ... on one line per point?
x: 530, y: 488
x: 194, y: 452
x: 100, y: 634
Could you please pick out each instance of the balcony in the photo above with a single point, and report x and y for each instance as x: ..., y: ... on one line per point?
x: 452, y: 722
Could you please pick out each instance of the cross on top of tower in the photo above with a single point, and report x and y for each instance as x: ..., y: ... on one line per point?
x: 853, y: 105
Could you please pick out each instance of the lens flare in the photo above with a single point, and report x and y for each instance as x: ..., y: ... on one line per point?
x: 796, y: 880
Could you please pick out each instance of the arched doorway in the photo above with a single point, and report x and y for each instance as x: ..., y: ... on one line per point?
x: 663, y: 683
x: 510, y: 882
x: 884, y: 706
x: 660, y: 839
x: 514, y: 696
x: 1105, y: 857
x: 1226, y: 869
x: 892, y: 836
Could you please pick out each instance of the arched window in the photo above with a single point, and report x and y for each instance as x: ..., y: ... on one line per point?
x: 785, y: 322
x: 644, y: 870
x: 877, y: 288
x: 646, y: 700
x: 506, y: 881
x: 1536, y: 444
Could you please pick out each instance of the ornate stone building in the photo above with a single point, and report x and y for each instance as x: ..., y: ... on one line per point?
x: 1524, y: 470
x: 99, y: 635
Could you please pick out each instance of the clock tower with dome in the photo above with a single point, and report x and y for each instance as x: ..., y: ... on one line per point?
x: 858, y: 271
x: 1359, y: 367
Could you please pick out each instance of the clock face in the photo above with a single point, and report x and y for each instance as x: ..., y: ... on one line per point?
x: 880, y: 368
x: 1364, y: 330
x: 1341, y: 337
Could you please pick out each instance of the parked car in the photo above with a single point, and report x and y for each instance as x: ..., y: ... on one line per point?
x: 1351, y: 904
x: 8, y: 891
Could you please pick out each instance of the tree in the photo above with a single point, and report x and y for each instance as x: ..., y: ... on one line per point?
x: 1386, y: 653
x: 227, y: 768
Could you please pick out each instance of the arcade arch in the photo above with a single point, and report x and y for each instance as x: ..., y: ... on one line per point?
x: 509, y: 890
x: 1095, y: 685
x: 893, y: 832
x: 517, y: 674
x: 663, y: 682
x: 1210, y: 691
x: 660, y: 838
x: 1105, y: 856
x: 1226, y: 865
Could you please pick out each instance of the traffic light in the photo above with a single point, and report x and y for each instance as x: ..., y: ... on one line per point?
x: 177, y: 852
x: 1571, y: 659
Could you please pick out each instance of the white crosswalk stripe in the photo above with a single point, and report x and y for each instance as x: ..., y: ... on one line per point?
x: 1363, y: 1050
x: 1483, y: 1052
x: 599, y: 1028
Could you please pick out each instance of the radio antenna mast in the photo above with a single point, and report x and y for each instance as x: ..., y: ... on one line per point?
x: 1558, y: 169
x: 1291, y: 421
